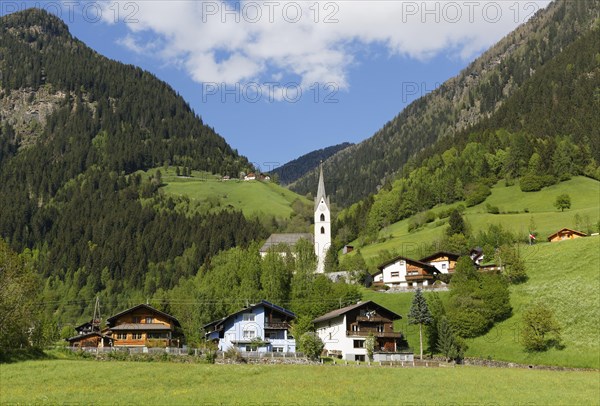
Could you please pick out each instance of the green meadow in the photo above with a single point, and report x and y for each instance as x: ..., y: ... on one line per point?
x: 517, y: 207
x: 94, y: 382
x: 566, y: 276
x: 253, y: 198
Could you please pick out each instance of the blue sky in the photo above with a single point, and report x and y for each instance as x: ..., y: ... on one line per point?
x: 278, y: 79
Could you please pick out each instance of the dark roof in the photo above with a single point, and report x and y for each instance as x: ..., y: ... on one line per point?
x: 440, y: 254
x: 140, y: 306
x: 344, y: 310
x: 87, y: 335
x: 264, y: 303
x: 290, y: 239
x: 420, y: 264
x: 140, y: 326
x: 581, y: 233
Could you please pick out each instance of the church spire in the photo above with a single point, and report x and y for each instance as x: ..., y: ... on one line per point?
x: 321, y: 188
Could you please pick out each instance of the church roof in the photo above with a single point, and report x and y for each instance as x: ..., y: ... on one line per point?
x: 321, y: 189
x: 288, y: 238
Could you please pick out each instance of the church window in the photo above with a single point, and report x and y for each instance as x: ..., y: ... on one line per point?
x: 322, y: 230
x: 322, y: 217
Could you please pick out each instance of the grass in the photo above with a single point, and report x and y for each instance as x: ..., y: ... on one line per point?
x: 253, y: 198
x: 82, y: 382
x: 585, y: 199
x: 566, y: 276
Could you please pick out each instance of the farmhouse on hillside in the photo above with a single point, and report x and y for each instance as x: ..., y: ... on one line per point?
x: 444, y: 262
x: 565, y: 234
x: 89, y: 335
x: 403, y: 272
x: 261, y: 327
x: 344, y: 333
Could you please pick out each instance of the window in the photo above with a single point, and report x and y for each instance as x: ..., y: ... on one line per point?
x: 122, y: 336
x: 277, y: 349
x: 136, y: 319
x: 360, y: 358
x: 444, y: 266
x: 136, y: 336
x: 272, y: 336
x: 322, y: 230
x: 402, y: 262
x: 149, y: 320
x: 359, y: 344
x: 355, y: 327
x: 249, y: 317
x: 380, y: 328
x: 322, y: 217
x: 249, y: 334
x: 157, y: 335
x: 395, y: 274
x: 249, y: 348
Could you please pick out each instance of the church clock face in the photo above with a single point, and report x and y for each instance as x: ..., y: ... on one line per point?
x: 322, y: 206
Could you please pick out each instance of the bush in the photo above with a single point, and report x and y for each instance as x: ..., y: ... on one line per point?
x: 492, y: 209
x: 477, y: 195
x: 429, y: 217
x: 540, y: 330
x: 234, y: 354
x: 311, y: 345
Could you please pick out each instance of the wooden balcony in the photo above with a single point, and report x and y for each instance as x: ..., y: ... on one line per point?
x: 373, y: 319
x: 418, y: 277
x: 378, y: 334
x: 282, y: 325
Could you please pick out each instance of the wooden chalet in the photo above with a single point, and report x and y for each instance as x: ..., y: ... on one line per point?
x: 443, y: 261
x: 565, y: 234
x: 89, y: 335
x: 144, y: 326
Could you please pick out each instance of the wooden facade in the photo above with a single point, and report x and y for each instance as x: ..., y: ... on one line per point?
x: 445, y: 262
x: 144, y: 326
x: 565, y: 234
x: 376, y: 320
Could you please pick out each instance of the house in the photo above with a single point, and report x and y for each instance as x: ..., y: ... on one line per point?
x: 565, y: 234
x: 144, y: 326
x: 250, y: 176
x: 89, y: 335
x: 262, y: 327
x: 344, y: 332
x: 402, y: 272
x: 280, y: 241
x: 347, y: 249
x: 476, y: 254
x: 443, y: 261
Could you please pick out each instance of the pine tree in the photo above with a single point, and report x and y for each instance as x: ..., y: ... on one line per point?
x: 456, y: 224
x: 419, y: 314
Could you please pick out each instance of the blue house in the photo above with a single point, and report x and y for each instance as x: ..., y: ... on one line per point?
x: 262, y: 327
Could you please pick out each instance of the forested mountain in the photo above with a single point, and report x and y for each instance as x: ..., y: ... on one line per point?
x: 546, y: 132
x: 297, y: 168
x: 76, y: 127
x: 462, y: 102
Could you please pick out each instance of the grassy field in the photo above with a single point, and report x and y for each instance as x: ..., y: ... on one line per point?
x: 585, y: 201
x: 84, y: 382
x: 254, y: 198
x: 565, y: 275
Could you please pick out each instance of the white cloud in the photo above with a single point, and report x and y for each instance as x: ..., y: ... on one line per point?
x: 307, y: 40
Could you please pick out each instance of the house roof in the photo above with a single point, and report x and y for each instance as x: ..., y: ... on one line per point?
x: 140, y: 327
x: 142, y: 306
x: 420, y: 264
x: 339, y: 312
x: 451, y: 255
x: 88, y: 335
x: 290, y: 239
x: 563, y: 230
x: 263, y: 303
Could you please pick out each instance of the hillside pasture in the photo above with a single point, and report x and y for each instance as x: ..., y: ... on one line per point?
x: 566, y: 276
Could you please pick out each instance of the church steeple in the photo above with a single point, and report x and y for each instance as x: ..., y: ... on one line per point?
x: 321, y: 188
x: 322, y: 223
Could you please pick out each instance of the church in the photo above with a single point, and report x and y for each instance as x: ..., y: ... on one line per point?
x: 322, y: 229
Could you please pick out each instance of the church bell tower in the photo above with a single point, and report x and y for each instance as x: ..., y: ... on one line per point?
x: 322, y: 223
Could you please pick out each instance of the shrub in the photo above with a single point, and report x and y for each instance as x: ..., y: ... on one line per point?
x: 492, y: 209
x: 234, y: 354
x: 477, y: 195
x: 540, y: 330
x: 311, y: 345
x: 429, y: 217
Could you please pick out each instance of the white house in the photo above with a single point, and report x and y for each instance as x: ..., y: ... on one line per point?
x: 402, y: 272
x: 250, y: 176
x: 262, y: 327
x: 344, y: 332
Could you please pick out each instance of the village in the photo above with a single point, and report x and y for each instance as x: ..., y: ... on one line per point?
x: 264, y: 329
